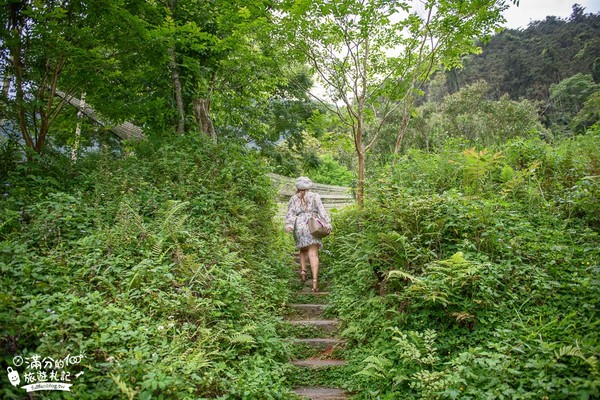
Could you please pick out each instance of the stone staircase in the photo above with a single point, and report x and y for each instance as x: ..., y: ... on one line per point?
x: 316, y: 336
x: 333, y: 197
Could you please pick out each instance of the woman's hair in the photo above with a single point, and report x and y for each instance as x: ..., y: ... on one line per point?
x: 302, y: 196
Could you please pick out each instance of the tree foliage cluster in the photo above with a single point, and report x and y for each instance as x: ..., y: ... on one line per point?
x: 554, y: 62
x: 471, y: 115
x: 524, y: 63
x: 154, y: 266
x: 473, y: 273
x: 167, y: 66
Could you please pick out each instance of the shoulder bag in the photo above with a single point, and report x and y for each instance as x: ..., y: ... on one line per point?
x: 316, y: 226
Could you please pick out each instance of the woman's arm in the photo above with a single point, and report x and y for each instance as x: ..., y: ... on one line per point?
x: 290, y: 217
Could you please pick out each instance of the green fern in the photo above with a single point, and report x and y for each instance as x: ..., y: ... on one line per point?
x: 377, y: 367
x: 575, y: 351
x: 157, y: 249
x: 241, y: 338
x: 126, y: 390
x: 128, y: 222
x: 396, y: 273
x: 174, y: 219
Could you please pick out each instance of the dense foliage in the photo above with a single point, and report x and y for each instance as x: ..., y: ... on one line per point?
x: 473, y: 115
x: 524, y: 63
x: 554, y: 63
x: 153, y: 264
x: 473, y: 273
x: 470, y: 271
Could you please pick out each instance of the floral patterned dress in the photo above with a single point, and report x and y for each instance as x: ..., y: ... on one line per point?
x: 298, y: 214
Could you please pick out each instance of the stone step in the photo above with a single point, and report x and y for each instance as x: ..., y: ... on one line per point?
x: 309, y: 310
x: 327, y: 325
x: 318, y: 393
x: 321, y: 342
x: 316, y: 364
x: 307, y: 290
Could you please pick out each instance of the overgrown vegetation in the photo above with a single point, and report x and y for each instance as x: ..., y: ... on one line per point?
x: 473, y: 273
x: 162, y: 267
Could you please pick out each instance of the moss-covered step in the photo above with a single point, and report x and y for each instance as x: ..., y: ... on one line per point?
x: 325, y: 325
x: 318, y: 363
x: 321, y: 393
x: 307, y: 310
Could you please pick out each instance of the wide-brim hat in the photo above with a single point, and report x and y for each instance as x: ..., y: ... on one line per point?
x: 303, y: 183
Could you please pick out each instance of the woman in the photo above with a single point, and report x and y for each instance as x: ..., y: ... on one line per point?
x: 301, y: 207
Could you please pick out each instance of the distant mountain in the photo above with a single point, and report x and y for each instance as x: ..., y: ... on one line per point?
x: 524, y: 63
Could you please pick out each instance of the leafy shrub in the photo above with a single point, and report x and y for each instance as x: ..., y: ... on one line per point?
x: 469, y: 274
x: 330, y: 172
x: 154, y: 266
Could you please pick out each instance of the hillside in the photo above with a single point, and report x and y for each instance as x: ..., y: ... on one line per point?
x: 524, y: 63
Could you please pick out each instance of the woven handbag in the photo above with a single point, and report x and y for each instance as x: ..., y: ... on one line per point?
x: 316, y: 226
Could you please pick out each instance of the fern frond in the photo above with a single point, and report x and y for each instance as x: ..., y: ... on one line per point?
x: 126, y: 390
x: 241, y: 338
x: 172, y: 217
x: 396, y: 273
x: 462, y: 316
x: 377, y: 366
x: 573, y: 351
x: 157, y: 249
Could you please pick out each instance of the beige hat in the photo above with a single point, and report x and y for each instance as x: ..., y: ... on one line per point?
x: 303, y: 183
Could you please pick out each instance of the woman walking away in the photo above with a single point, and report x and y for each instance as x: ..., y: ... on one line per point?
x: 301, y: 207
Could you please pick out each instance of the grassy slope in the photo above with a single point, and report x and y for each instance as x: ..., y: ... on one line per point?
x: 162, y: 267
x: 475, y: 275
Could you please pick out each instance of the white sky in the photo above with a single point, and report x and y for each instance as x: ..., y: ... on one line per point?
x: 538, y: 10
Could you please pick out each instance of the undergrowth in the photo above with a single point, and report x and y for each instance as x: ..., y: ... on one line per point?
x: 473, y: 274
x: 160, y: 266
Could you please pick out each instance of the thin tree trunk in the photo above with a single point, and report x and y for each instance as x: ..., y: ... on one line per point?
x: 20, y: 96
x: 16, y: 29
x: 360, y: 189
x: 360, y: 154
x: 178, y: 91
x: 47, y: 113
x: 360, y: 127
x: 403, y: 123
x: 78, y: 129
x: 5, y: 84
x: 202, y: 114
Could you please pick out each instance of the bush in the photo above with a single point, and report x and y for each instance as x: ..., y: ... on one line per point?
x: 468, y: 274
x: 153, y: 267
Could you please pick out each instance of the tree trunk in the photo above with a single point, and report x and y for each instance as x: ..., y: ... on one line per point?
x: 403, y: 124
x: 178, y: 91
x: 360, y: 154
x: 202, y: 114
x: 78, y: 128
x: 360, y: 189
x: 20, y: 96
x: 360, y: 125
x: 5, y: 84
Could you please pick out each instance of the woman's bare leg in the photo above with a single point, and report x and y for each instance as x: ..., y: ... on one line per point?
x: 303, y: 255
x: 313, y: 257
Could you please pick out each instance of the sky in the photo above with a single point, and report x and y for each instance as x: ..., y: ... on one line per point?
x: 538, y: 10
